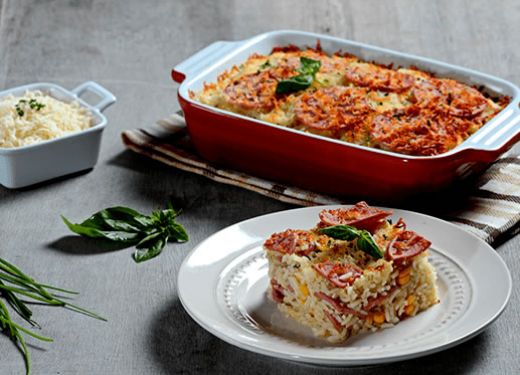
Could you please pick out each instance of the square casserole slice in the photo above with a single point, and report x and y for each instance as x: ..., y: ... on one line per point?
x: 339, y: 290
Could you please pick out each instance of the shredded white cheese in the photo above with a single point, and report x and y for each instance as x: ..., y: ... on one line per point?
x: 54, y: 119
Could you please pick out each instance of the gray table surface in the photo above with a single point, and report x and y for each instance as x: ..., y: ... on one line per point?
x: 130, y: 47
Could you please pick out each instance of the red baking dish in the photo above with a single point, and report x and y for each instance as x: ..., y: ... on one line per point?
x: 327, y: 165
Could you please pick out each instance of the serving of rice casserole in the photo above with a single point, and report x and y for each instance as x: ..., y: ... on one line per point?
x: 340, y: 96
x: 356, y: 271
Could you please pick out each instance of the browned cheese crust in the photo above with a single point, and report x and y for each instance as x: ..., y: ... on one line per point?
x: 407, y: 111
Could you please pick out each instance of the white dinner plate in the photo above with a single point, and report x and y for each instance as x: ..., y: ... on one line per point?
x: 222, y: 284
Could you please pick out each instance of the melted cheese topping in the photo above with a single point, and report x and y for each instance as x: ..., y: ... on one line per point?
x: 405, y: 110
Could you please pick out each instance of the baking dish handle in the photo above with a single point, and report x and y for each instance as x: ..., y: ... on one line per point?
x: 497, y: 137
x: 107, y: 98
x: 202, y: 59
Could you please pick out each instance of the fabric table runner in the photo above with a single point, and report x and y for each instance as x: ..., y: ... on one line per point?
x: 492, y: 210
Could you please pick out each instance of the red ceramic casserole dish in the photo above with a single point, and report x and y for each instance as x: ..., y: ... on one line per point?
x: 327, y: 165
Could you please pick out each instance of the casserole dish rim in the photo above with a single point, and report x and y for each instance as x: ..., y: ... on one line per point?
x: 510, y: 115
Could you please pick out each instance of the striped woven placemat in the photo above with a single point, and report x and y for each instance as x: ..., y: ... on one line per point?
x: 491, y: 209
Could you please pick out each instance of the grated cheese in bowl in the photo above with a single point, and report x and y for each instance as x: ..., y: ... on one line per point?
x: 36, y: 117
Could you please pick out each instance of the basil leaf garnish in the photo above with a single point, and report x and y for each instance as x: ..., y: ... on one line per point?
x: 364, y: 240
x: 341, y: 232
x: 307, y: 72
x: 309, y: 66
x: 366, y: 243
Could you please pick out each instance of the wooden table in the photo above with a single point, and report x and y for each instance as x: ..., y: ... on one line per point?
x: 130, y: 47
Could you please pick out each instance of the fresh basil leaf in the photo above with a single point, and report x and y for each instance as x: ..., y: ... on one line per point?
x: 122, y: 213
x: 293, y: 84
x: 150, y: 249
x: 115, y: 218
x: 309, y: 66
x: 164, y: 218
x: 89, y: 231
x: 95, y: 221
x: 87, y: 228
x: 119, y: 236
x: 120, y: 225
x: 364, y: 239
x: 148, y: 239
x: 307, y: 72
x: 366, y: 243
x: 125, y: 226
x: 177, y: 232
x: 169, y: 214
x: 144, y: 221
x: 341, y: 232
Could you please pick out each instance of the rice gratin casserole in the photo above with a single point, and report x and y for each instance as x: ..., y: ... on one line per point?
x: 404, y: 110
x: 354, y: 272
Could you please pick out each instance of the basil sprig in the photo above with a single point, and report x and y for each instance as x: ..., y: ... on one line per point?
x: 307, y: 72
x: 127, y: 227
x: 364, y: 240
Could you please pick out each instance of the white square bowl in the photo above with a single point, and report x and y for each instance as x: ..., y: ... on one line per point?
x: 28, y: 165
